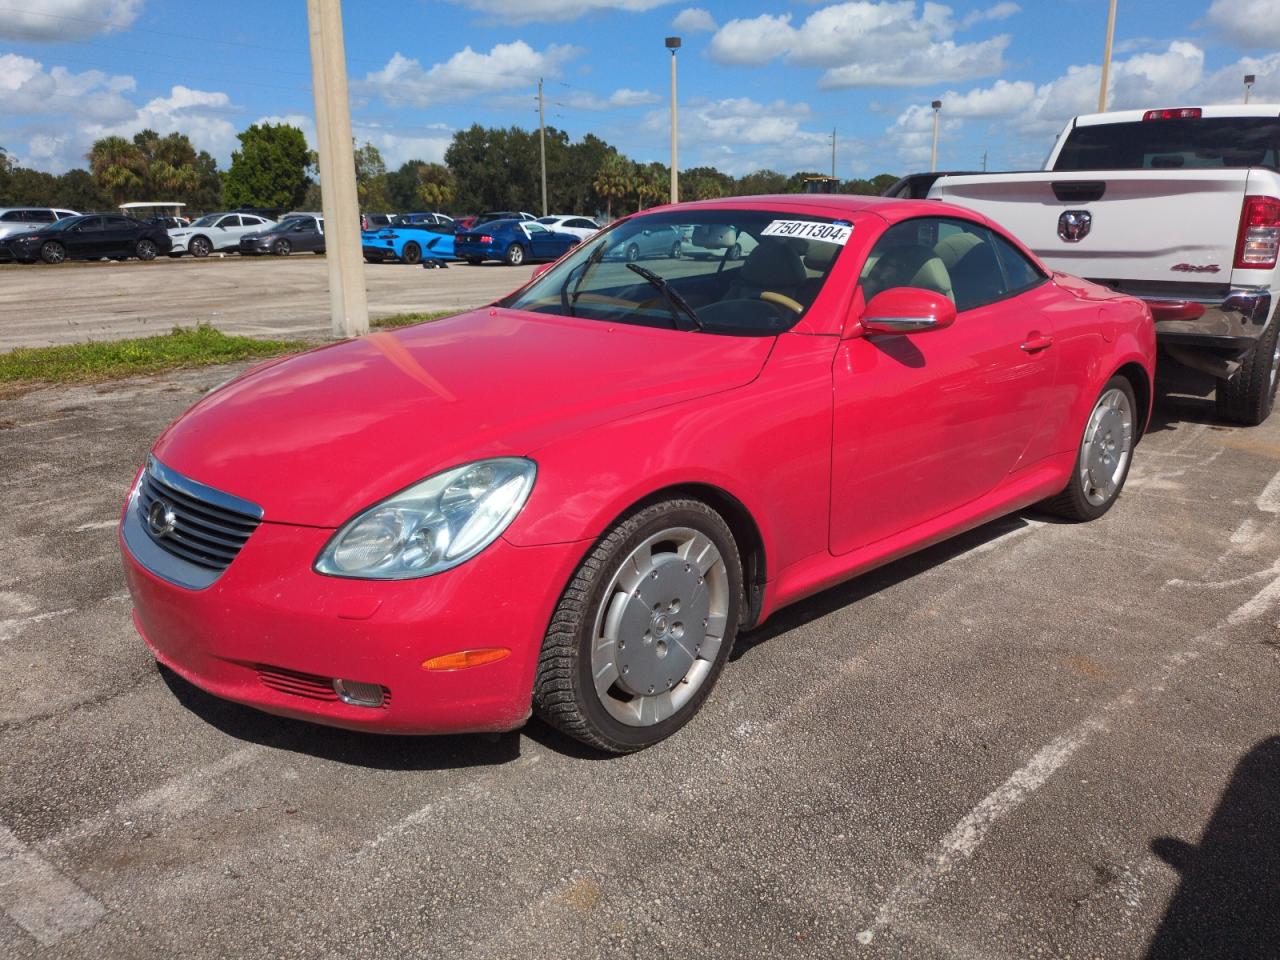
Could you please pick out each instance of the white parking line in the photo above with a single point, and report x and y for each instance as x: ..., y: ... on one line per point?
x: 12, y: 627
x: 38, y: 897
x: 967, y: 835
x: 100, y: 525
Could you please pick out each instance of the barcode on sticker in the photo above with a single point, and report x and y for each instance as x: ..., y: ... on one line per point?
x: 809, y: 230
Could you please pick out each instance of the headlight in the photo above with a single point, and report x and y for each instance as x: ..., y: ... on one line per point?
x: 434, y: 525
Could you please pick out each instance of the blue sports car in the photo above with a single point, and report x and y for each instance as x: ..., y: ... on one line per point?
x: 408, y: 243
x: 513, y: 242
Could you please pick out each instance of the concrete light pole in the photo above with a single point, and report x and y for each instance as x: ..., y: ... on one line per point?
x: 347, y: 302
x: 1249, y: 79
x: 933, y: 153
x: 673, y: 44
x: 542, y: 146
x: 1106, y: 58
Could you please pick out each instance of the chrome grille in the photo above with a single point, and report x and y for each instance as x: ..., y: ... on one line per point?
x: 204, y: 532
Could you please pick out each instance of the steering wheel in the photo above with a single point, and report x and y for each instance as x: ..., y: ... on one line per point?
x: 782, y: 300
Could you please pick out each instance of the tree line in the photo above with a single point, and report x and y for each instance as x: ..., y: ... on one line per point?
x: 485, y: 168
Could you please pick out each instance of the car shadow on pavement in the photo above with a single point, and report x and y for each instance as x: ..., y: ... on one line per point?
x: 1228, y: 903
x: 350, y: 747
x: 832, y: 599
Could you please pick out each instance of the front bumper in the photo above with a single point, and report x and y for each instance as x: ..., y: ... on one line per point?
x: 1236, y: 320
x: 269, y: 615
x: 249, y: 248
x: 179, y: 245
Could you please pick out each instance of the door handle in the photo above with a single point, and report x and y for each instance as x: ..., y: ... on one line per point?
x: 1037, y: 343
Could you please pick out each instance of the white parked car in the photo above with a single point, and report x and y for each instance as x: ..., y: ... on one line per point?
x: 216, y: 231
x: 581, y: 227
x: 14, y: 220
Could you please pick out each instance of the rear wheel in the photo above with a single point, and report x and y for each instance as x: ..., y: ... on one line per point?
x: 643, y: 630
x: 145, y: 249
x: 200, y: 246
x: 1106, y: 450
x: 633, y: 253
x: 675, y: 250
x: 1249, y: 396
x: 51, y: 251
x: 282, y: 248
x: 412, y: 253
x: 515, y: 255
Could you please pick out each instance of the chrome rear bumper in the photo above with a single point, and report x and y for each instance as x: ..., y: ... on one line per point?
x: 1238, y: 319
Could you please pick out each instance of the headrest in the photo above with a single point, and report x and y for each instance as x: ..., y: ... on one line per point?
x: 774, y: 264
x: 714, y: 236
x: 908, y: 266
x: 819, y: 255
x: 954, y: 247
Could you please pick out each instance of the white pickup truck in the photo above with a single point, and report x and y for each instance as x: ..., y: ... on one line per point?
x: 1180, y: 207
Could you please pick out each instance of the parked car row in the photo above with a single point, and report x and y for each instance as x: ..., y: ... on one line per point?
x: 86, y: 237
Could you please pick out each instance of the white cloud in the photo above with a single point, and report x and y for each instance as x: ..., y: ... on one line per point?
x: 1249, y: 24
x: 507, y: 67
x: 693, y: 20
x: 623, y: 97
x: 863, y: 43
x: 739, y: 135
x: 26, y: 87
x: 61, y: 20
x: 1227, y: 85
x: 530, y: 11
x: 200, y: 114
x: 1000, y: 11
x: 1000, y: 99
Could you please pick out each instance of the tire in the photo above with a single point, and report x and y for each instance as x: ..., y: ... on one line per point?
x: 656, y: 686
x: 145, y: 249
x: 633, y: 253
x: 199, y: 247
x: 1105, y: 454
x: 1250, y: 395
x: 412, y: 253
x: 675, y: 250
x: 51, y: 251
x: 282, y: 248
x: 514, y: 255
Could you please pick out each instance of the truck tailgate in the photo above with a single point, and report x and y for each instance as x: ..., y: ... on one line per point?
x: 1148, y: 225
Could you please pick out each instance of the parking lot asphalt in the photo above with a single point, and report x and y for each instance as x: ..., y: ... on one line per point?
x: 1038, y: 740
x: 257, y: 296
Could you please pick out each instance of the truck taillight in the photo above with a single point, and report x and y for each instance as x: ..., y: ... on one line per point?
x: 1176, y: 113
x: 1259, y: 234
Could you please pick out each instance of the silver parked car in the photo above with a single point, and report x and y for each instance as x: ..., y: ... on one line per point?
x: 15, y: 220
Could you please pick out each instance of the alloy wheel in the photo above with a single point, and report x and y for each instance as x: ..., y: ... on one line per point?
x: 1106, y: 447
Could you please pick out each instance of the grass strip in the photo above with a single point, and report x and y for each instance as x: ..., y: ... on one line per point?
x: 99, y: 360
x: 408, y: 319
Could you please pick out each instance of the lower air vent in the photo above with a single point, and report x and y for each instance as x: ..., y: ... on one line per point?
x: 309, y: 685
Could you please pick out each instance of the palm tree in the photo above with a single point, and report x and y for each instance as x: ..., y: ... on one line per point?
x: 613, y: 180
x: 118, y: 167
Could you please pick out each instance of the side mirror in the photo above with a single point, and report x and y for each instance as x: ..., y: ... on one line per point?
x: 908, y: 310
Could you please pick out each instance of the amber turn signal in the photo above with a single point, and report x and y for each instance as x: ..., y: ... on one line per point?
x: 462, y: 659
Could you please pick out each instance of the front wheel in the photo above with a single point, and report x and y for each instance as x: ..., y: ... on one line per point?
x: 675, y: 250
x: 643, y: 630
x: 51, y: 251
x: 145, y: 250
x: 200, y: 247
x: 282, y: 248
x: 515, y: 255
x: 1106, y: 450
x: 633, y: 253
x: 412, y: 253
x: 1250, y: 395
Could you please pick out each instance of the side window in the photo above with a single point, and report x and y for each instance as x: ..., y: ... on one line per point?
x: 904, y: 256
x: 15, y: 216
x: 1020, y: 273
x: 119, y: 223
x: 41, y: 216
x: 90, y: 225
x: 229, y: 222
x: 534, y: 227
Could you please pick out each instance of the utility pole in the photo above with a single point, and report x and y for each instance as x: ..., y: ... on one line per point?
x: 673, y: 44
x: 542, y: 146
x: 1106, y: 58
x: 984, y: 161
x: 347, y: 302
x: 1249, y: 79
x: 933, y: 153
x: 833, y: 153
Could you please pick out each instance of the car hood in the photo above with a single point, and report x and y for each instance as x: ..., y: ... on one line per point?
x: 320, y: 436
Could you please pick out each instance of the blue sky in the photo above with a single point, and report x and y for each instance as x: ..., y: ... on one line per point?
x: 762, y: 82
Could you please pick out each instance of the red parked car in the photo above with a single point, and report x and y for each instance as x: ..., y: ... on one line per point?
x: 571, y: 502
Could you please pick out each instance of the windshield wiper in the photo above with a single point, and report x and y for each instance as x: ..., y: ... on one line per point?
x: 571, y: 297
x: 670, y: 293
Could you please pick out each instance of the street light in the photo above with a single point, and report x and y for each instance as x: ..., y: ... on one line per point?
x: 1106, y: 58
x: 673, y: 44
x: 1249, y: 79
x: 933, y: 153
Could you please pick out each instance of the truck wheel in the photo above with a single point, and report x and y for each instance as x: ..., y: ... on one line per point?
x: 1249, y: 396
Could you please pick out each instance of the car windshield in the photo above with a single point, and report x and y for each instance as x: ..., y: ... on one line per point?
x: 739, y: 272
x: 207, y: 221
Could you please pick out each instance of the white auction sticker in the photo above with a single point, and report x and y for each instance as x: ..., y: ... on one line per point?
x: 838, y: 233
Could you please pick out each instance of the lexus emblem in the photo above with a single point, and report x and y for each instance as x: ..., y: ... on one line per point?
x: 161, y: 519
x: 1074, y: 225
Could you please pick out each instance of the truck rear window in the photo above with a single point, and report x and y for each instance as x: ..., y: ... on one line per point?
x: 1174, y: 145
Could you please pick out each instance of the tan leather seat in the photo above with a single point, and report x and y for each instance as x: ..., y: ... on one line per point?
x: 910, y: 265
x: 774, y: 265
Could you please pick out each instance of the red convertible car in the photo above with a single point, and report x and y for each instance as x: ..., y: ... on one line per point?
x: 571, y: 501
